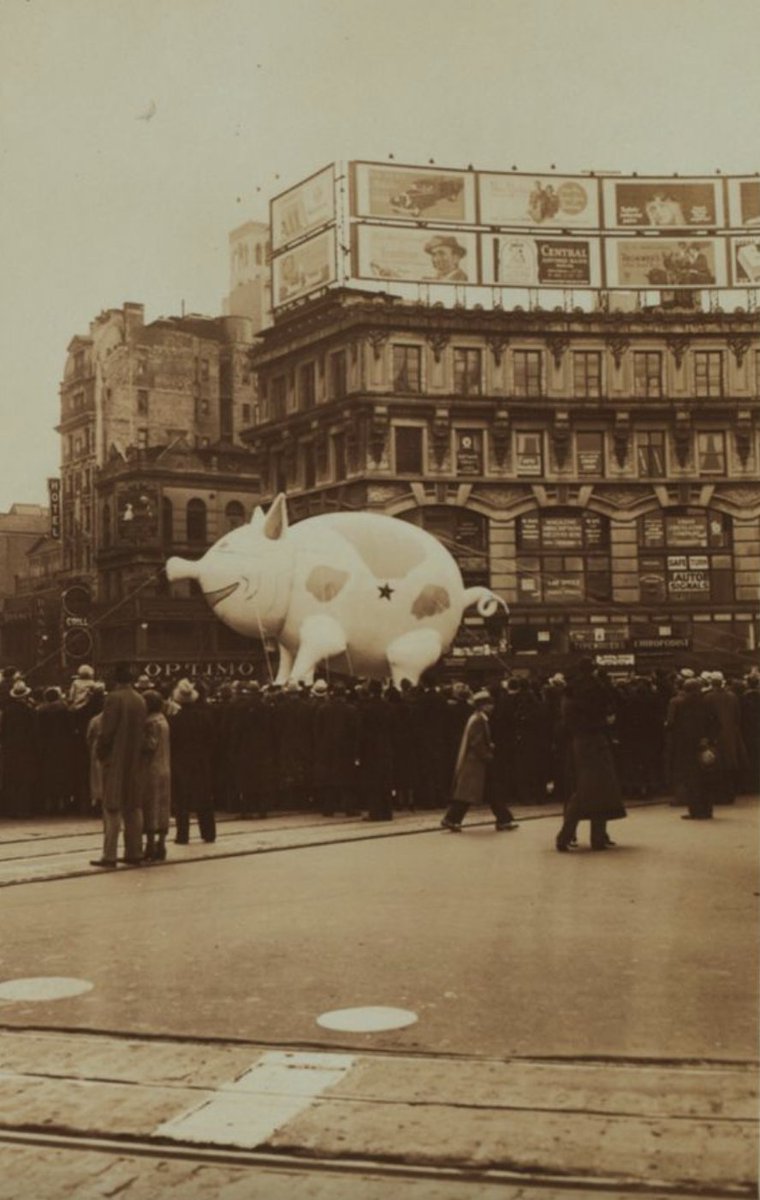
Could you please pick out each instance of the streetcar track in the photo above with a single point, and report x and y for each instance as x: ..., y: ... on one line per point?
x: 140, y: 1147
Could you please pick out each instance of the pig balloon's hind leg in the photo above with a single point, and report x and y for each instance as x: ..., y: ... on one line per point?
x: 284, y: 666
x: 321, y: 637
x: 412, y: 653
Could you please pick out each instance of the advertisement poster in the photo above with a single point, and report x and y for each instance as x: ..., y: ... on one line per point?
x: 415, y: 255
x: 661, y: 263
x: 539, y: 200
x: 414, y: 193
x: 512, y: 260
x: 744, y: 203
x: 663, y: 203
x: 303, y: 208
x: 745, y: 260
x: 469, y: 451
x: 304, y: 268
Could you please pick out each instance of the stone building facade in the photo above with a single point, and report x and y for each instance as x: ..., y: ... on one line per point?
x: 598, y: 469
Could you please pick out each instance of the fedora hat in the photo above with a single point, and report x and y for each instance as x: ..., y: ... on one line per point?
x: 440, y: 242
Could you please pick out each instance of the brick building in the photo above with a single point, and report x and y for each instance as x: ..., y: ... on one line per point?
x: 598, y: 469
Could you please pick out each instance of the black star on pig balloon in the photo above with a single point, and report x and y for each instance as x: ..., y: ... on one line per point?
x: 386, y: 591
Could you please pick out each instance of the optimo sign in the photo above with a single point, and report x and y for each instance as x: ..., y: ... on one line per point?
x: 430, y: 225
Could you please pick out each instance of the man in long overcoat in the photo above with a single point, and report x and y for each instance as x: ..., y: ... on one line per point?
x: 191, y: 732
x: 693, y: 724
x: 20, y: 752
x: 732, y: 757
x: 475, y: 753
x: 120, y: 748
x: 596, y: 796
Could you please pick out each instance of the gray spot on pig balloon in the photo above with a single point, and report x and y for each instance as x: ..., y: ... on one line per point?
x: 431, y: 600
x: 325, y: 583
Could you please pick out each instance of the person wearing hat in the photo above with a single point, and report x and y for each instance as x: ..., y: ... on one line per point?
x: 694, y: 730
x: 476, y: 751
x: 119, y: 748
x: 446, y: 254
x: 731, y: 753
x: 155, y: 780
x: 56, y: 758
x: 20, y: 752
x: 192, y: 733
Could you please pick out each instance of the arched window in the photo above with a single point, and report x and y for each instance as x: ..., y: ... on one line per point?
x: 234, y: 514
x: 563, y: 557
x: 105, y: 536
x: 167, y: 521
x: 463, y: 532
x: 196, y: 522
x: 685, y: 556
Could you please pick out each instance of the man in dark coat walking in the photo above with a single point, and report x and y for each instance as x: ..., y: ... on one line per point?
x: 192, y: 742
x: 120, y: 749
x: 589, y: 712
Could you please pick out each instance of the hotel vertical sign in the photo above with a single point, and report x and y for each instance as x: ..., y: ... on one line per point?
x: 54, y: 502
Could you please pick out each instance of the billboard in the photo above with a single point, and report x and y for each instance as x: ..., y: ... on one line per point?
x: 519, y: 260
x: 304, y: 268
x: 388, y: 252
x: 544, y: 201
x: 744, y: 203
x: 745, y: 261
x: 664, y: 263
x: 413, y: 193
x: 303, y: 208
x: 662, y: 204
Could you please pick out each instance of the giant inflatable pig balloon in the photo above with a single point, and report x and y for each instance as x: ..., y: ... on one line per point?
x: 379, y: 593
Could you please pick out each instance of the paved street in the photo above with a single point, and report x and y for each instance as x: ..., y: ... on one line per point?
x: 578, y: 1017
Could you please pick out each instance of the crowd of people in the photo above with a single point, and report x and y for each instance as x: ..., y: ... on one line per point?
x: 142, y: 752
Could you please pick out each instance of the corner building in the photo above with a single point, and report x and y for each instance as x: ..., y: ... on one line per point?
x: 599, y: 470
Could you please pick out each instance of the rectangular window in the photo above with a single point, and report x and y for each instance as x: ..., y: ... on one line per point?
x: 708, y: 372
x: 279, y: 397
x: 339, y: 455
x: 529, y: 459
x: 647, y: 374
x: 587, y: 374
x: 245, y: 412
x: 407, y: 368
x: 142, y: 438
x: 711, y: 451
x: 527, y: 366
x: 307, y: 385
x: 467, y: 371
x: 650, y: 447
x: 204, y: 369
x: 408, y: 447
x: 590, y: 451
x: 337, y: 377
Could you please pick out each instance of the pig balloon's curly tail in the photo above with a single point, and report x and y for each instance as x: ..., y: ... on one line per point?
x: 486, y: 601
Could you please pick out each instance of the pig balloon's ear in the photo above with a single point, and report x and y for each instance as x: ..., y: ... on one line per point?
x: 276, y: 520
x: 257, y: 517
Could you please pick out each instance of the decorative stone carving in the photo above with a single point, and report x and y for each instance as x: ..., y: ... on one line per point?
x: 619, y: 497
x: 500, y: 431
x: 678, y: 344
x: 497, y: 344
x: 618, y: 345
x: 743, y: 434
x: 379, y: 429
x: 557, y: 344
x: 739, y: 344
x: 377, y: 339
x: 440, y: 435
x: 438, y: 343
x: 744, y: 497
x: 621, y: 437
x: 682, y: 436
x: 561, y: 437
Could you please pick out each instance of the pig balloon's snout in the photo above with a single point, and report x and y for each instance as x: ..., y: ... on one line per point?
x: 182, y: 568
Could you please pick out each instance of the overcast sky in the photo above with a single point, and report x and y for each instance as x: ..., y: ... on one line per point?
x: 98, y: 207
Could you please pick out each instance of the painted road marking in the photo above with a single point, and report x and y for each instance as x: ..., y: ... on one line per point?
x: 248, y: 1111
x: 366, y: 1020
x: 44, y: 987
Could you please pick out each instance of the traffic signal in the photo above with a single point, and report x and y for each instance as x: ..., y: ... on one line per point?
x: 76, y: 635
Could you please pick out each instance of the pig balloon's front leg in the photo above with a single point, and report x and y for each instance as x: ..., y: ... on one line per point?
x: 412, y: 653
x: 284, y: 665
x: 321, y: 637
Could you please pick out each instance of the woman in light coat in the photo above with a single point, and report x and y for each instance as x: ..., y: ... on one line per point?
x: 156, y: 778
